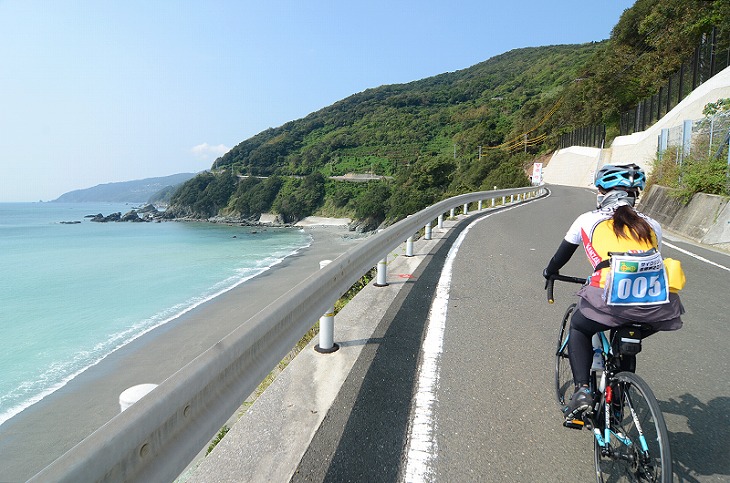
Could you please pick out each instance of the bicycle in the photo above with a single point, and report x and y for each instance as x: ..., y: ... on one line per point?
x: 630, y: 438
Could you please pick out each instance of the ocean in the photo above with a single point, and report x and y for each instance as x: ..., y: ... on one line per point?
x: 71, y: 294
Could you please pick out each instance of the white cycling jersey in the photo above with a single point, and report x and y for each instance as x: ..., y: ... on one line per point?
x: 594, y: 230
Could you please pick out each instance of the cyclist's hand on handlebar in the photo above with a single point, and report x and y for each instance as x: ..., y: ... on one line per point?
x: 548, y: 275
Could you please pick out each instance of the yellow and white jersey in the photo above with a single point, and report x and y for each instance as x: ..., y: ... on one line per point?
x: 594, y: 230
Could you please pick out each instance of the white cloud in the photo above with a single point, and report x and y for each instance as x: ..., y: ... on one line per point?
x: 206, y: 151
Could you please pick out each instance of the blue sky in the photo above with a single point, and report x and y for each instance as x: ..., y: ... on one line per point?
x: 94, y: 92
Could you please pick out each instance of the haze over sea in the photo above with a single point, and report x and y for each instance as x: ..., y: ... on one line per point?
x: 70, y: 294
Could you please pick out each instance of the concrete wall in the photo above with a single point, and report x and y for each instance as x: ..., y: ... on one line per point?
x: 706, y: 219
x: 573, y: 166
x: 639, y: 147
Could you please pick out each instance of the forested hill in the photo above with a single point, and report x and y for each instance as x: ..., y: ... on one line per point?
x: 136, y: 191
x: 456, y: 132
x: 383, y: 128
x: 426, y: 135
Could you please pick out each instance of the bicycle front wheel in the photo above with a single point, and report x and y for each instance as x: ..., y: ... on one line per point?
x: 637, y: 448
x: 563, y: 374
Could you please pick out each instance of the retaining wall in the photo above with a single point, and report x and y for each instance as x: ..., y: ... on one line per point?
x: 706, y: 219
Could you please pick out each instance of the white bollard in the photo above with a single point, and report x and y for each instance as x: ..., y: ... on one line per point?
x: 493, y: 202
x: 504, y: 198
x: 466, y: 208
x: 451, y: 213
x: 381, y: 277
x: 480, y: 205
x: 427, y: 231
x: 326, y: 326
x: 133, y: 394
x: 409, y: 247
x: 441, y: 221
x: 511, y: 198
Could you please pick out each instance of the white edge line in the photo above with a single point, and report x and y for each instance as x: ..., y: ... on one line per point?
x: 694, y: 255
x: 422, y: 443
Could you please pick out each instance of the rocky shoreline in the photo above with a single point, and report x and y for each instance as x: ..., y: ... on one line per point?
x: 150, y: 214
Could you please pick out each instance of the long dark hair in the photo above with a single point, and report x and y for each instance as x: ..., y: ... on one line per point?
x: 626, y: 217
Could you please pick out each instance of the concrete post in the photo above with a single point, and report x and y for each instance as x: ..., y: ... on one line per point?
x: 409, y: 246
x: 466, y: 208
x: 504, y: 199
x: 441, y: 221
x: 493, y: 202
x: 133, y: 394
x: 686, y: 139
x: 663, y: 142
x: 427, y: 231
x: 382, y: 273
x: 451, y: 213
x: 479, y: 208
x: 511, y: 198
x: 326, y: 326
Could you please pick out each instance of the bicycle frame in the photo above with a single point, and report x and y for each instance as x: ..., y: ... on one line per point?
x: 604, y: 387
x: 625, y: 398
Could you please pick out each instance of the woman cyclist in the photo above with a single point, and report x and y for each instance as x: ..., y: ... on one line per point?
x: 614, y: 226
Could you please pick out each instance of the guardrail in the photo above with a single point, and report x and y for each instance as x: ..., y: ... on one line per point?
x: 159, y: 435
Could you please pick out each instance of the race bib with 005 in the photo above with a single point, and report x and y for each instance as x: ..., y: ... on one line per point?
x: 637, y: 279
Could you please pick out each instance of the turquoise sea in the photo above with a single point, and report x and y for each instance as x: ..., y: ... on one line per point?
x: 70, y: 294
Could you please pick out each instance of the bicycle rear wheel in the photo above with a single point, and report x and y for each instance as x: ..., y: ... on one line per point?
x: 563, y: 374
x: 638, y: 449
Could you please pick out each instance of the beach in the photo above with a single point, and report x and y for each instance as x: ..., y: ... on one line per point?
x: 38, y: 435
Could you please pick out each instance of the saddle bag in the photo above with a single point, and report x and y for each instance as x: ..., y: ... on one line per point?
x: 628, y: 340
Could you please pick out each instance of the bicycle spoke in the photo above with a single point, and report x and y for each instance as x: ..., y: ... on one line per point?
x: 638, y: 447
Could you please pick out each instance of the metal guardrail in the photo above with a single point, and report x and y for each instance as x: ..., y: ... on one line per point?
x: 159, y: 435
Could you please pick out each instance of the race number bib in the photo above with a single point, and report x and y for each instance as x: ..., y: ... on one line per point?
x: 637, y: 279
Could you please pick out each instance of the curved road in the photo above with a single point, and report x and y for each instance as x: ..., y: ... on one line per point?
x: 491, y: 414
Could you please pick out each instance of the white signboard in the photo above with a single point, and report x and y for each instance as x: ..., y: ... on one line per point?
x: 537, y: 174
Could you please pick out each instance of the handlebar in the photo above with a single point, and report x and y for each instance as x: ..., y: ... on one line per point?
x: 550, y: 282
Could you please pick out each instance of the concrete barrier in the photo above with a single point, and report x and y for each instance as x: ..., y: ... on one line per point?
x: 705, y: 219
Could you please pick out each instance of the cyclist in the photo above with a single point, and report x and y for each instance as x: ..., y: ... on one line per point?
x: 614, y: 226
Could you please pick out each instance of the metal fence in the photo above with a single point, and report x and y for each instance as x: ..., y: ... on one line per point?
x: 589, y: 136
x: 710, y: 57
x: 703, y: 138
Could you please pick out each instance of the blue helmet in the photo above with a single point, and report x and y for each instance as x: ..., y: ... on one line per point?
x: 629, y: 176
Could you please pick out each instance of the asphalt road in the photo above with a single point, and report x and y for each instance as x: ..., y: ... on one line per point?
x: 494, y: 415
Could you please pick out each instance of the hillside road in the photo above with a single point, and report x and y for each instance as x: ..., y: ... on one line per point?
x: 492, y: 414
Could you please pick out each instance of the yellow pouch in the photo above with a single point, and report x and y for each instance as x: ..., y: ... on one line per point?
x: 675, y: 274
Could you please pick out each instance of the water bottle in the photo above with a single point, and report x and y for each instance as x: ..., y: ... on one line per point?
x: 597, y: 365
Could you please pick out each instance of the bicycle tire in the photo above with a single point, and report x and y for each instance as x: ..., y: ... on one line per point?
x: 563, y: 373
x: 627, y: 461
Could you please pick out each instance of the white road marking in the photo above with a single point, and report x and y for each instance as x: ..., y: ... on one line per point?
x: 422, y: 447
x: 694, y: 255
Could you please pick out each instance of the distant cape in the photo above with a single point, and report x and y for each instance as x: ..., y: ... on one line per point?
x: 138, y: 191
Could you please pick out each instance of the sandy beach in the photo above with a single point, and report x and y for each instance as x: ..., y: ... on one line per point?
x: 41, y: 433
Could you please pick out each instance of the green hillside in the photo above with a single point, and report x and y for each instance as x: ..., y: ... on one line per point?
x: 151, y: 190
x: 460, y: 131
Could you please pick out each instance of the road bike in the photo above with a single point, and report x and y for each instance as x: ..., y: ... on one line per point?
x: 630, y: 438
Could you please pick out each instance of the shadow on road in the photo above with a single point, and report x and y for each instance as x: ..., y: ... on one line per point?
x: 704, y: 451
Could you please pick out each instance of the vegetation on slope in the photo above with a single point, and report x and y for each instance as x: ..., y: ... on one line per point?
x: 460, y: 131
